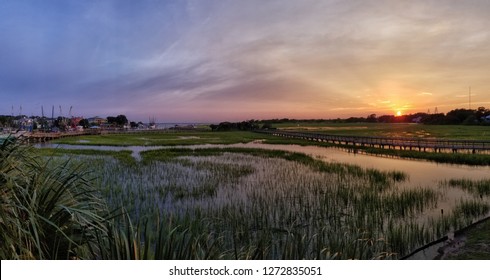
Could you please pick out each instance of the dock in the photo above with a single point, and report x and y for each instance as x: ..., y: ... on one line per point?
x: 41, y: 137
x: 399, y: 143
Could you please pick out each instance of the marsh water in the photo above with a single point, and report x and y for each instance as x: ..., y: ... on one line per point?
x: 420, y: 173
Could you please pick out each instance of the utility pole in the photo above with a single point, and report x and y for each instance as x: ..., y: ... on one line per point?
x: 469, y: 99
x: 43, y: 128
x: 52, y: 117
x: 12, y: 119
x: 70, y: 116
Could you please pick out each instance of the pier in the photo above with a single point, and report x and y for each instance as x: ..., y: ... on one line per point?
x: 399, y: 143
x: 41, y: 137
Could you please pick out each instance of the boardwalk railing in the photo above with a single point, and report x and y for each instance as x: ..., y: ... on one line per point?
x: 402, y: 143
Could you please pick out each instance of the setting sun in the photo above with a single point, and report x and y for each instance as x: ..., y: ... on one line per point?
x: 399, y: 113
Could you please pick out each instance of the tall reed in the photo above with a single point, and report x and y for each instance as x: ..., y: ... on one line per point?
x: 47, y: 211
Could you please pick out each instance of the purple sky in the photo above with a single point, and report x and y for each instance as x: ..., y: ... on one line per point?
x: 209, y: 61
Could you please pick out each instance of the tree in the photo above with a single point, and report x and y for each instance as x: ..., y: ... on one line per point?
x: 225, y: 126
x: 386, y: 119
x: 480, y: 113
x: 111, y: 120
x: 372, y: 118
x: 84, y: 123
x: 470, y: 120
x: 434, y: 119
x: 458, y: 116
x: 121, y: 120
x: 267, y: 126
x: 60, y: 123
x: 6, y: 120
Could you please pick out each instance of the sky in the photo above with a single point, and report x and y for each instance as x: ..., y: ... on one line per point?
x: 233, y: 60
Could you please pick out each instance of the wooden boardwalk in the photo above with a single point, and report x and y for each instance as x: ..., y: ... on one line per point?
x: 40, y: 137
x: 400, y: 143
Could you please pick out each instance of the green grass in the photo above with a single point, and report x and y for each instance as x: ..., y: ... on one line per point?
x: 455, y: 158
x: 165, y: 138
x: 123, y: 156
x: 395, y: 130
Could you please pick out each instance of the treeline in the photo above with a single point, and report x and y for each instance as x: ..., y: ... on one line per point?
x: 244, y: 125
x: 7, y: 120
x: 480, y: 116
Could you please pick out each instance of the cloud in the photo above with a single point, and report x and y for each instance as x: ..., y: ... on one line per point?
x: 247, y: 56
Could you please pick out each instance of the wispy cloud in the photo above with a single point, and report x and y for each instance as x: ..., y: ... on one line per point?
x: 208, y: 60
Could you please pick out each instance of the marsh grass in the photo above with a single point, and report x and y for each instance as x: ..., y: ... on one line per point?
x: 239, y: 203
x: 477, y: 187
x: 318, y: 165
x: 465, y: 132
x: 471, y: 209
x: 168, y: 138
x: 455, y: 158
